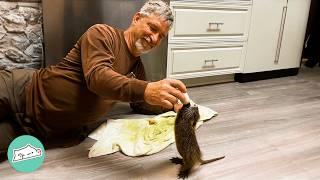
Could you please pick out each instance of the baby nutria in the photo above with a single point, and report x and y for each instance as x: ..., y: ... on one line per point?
x: 186, y: 141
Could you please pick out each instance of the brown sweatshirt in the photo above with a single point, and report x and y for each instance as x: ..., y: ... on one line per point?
x: 85, y: 84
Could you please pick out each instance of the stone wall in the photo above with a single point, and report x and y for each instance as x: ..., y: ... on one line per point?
x: 21, y: 36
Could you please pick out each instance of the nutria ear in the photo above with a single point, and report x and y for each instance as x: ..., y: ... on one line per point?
x: 187, y: 105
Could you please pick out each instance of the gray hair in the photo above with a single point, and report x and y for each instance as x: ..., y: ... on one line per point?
x: 158, y: 7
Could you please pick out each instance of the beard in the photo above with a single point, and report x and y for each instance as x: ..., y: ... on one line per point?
x: 140, y: 48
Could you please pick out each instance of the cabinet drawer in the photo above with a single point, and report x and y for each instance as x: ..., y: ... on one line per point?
x: 208, y: 59
x: 210, y: 22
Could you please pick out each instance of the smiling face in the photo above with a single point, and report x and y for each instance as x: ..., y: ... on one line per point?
x: 145, y: 33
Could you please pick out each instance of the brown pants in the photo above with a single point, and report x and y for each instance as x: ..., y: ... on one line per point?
x: 13, y: 121
x: 12, y: 104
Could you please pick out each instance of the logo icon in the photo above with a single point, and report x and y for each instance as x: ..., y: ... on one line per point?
x: 26, y: 153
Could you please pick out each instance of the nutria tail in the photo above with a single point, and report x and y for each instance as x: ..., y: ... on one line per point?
x: 211, y: 160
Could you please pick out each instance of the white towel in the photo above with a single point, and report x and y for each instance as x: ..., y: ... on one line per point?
x: 136, y: 137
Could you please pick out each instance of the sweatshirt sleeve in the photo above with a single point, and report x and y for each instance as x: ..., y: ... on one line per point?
x: 143, y: 107
x: 97, y: 63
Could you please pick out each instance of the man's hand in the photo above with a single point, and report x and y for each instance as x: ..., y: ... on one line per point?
x: 177, y: 107
x: 165, y: 93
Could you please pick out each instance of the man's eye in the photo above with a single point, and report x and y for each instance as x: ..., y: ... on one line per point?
x: 153, y: 29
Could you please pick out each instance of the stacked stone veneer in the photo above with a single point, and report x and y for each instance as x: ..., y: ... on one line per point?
x: 21, y: 36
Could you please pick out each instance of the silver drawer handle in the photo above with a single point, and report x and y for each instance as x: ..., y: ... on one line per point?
x: 209, y: 63
x: 280, y: 37
x: 213, y: 26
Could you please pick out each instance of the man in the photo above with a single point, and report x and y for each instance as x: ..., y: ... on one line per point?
x: 57, y: 103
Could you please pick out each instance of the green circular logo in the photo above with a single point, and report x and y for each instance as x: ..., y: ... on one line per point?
x: 26, y: 153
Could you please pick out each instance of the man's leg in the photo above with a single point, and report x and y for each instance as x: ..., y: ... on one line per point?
x: 4, y: 95
x: 7, y: 133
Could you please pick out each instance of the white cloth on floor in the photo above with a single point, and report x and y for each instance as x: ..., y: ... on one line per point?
x: 142, y: 136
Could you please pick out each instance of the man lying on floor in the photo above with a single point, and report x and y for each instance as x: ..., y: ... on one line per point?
x: 55, y: 104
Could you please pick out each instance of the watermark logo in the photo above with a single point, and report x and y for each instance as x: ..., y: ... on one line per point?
x: 26, y: 153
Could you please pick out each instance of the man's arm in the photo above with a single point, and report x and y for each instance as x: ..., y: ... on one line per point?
x: 101, y: 78
x: 97, y: 64
x: 143, y: 107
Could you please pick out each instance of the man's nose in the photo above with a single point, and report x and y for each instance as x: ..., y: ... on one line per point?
x: 155, y: 38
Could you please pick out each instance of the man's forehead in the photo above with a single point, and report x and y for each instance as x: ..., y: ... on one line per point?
x: 158, y: 21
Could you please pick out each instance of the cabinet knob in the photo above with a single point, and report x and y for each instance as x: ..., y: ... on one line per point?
x: 214, y: 26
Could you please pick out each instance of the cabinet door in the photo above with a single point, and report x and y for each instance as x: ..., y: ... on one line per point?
x: 294, y: 33
x: 266, y: 22
x: 210, y: 22
x: 196, y: 60
x: 205, y: 59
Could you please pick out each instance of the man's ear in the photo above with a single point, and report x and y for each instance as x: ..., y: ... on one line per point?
x: 136, y: 18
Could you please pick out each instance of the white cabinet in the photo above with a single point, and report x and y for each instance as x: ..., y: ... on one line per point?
x: 195, y: 60
x: 294, y: 33
x: 210, y: 22
x: 276, y: 34
x: 192, y: 60
x: 220, y: 37
x: 208, y: 38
